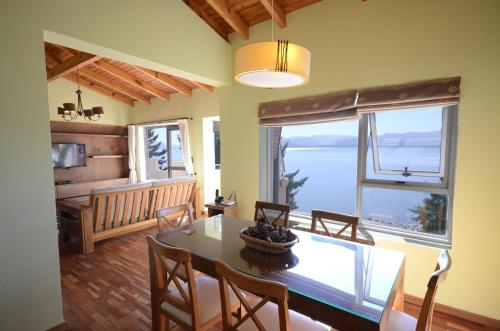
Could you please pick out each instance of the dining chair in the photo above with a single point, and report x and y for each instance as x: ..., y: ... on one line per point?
x: 174, y: 216
x: 318, y: 216
x: 193, y: 304
x: 258, y: 312
x: 402, y: 322
x: 261, y: 215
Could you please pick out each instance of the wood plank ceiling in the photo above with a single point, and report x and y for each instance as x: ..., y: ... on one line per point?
x: 121, y: 81
x: 227, y: 16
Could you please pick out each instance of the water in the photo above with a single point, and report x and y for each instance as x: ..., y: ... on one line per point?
x: 332, y: 182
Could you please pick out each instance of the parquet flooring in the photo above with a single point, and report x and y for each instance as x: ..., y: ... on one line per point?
x: 109, y: 289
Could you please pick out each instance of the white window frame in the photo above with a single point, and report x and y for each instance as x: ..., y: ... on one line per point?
x: 446, y: 187
x: 411, y: 172
x: 169, y: 126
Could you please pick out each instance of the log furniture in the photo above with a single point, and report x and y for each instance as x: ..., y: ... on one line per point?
x: 217, y: 208
x: 181, y: 302
x: 283, y: 210
x: 344, y: 284
x: 399, y: 321
x: 272, y: 315
x: 174, y: 216
x: 113, y: 211
x: 107, y: 157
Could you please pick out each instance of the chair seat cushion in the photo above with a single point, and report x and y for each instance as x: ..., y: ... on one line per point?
x: 399, y: 321
x: 269, y: 317
x: 208, y: 297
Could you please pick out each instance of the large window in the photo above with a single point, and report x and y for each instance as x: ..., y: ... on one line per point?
x: 394, y: 169
x: 163, y: 152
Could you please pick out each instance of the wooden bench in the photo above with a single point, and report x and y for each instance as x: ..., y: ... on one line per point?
x: 118, y: 210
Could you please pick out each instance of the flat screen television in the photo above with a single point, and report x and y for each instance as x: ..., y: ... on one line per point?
x: 68, y: 155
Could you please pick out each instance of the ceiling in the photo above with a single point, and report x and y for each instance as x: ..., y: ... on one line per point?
x: 121, y: 81
x: 227, y: 16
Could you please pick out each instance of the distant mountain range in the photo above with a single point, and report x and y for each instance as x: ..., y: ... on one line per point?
x: 407, y: 139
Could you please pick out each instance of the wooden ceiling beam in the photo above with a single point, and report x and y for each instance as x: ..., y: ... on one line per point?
x: 275, y: 11
x: 194, y: 5
x: 231, y: 17
x: 127, y: 77
x: 167, y: 80
x: 113, y: 86
x: 72, y: 77
x: 66, y: 67
x: 205, y: 87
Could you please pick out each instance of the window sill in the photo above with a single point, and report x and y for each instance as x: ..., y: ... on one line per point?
x: 378, y: 234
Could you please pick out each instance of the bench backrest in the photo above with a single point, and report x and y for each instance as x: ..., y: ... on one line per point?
x: 128, y: 204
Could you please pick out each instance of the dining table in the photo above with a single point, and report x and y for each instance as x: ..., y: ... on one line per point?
x: 344, y: 284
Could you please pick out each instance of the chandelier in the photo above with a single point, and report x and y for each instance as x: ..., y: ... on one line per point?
x: 274, y: 64
x: 69, y: 111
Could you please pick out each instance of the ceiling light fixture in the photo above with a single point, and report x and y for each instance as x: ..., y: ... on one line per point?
x: 69, y: 111
x: 274, y: 64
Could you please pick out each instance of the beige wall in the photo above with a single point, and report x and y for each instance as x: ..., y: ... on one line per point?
x: 165, y: 35
x: 62, y: 90
x: 357, y: 44
x: 201, y: 104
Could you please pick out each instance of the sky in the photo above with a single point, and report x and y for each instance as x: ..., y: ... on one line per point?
x: 411, y: 120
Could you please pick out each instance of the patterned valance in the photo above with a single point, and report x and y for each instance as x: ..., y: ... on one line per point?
x: 322, y: 108
x: 444, y: 91
x: 350, y: 104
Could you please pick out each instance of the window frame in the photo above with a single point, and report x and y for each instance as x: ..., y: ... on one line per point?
x: 168, y: 129
x: 376, y: 155
x: 446, y: 187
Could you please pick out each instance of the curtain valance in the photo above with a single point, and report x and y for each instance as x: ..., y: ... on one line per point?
x: 445, y: 91
x: 350, y: 104
x: 315, y: 109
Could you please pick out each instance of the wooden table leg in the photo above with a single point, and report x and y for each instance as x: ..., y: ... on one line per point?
x: 399, y: 303
x: 155, y: 298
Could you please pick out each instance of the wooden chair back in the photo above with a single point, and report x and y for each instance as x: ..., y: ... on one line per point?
x: 260, y: 212
x: 168, y: 262
x: 348, y: 220
x: 174, y: 216
x: 170, y: 195
x: 267, y: 290
x: 439, y: 275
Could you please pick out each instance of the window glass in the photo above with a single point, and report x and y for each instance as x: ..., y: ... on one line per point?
x: 316, y: 167
x: 407, y: 143
x: 163, y: 152
x: 216, y: 129
x: 405, y: 210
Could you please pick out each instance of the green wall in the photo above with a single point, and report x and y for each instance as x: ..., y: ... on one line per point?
x: 357, y: 44
x: 164, y: 35
x: 201, y: 104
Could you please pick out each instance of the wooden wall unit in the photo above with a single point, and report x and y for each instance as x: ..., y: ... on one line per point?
x: 107, y: 157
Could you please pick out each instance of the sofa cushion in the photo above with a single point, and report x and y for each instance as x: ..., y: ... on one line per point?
x: 167, y: 181
x: 121, y: 188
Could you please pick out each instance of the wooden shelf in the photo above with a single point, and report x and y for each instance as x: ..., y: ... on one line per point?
x: 90, y: 134
x: 107, y: 156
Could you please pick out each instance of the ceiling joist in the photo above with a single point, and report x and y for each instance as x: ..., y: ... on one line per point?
x: 195, y: 6
x: 231, y: 17
x: 167, y: 80
x: 77, y: 61
x: 205, y: 87
x: 99, y: 89
x: 113, y: 86
x: 127, y: 77
x: 274, y: 9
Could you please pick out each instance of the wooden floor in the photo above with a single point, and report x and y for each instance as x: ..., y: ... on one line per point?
x: 109, y: 289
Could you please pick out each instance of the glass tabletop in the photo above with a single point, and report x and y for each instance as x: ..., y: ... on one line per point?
x: 352, y: 277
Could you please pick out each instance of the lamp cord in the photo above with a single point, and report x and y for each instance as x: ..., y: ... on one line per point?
x: 272, y: 20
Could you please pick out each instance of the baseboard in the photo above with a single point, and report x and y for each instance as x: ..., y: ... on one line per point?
x: 458, y: 313
x: 59, y: 327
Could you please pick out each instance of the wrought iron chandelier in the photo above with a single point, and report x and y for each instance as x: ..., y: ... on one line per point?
x: 69, y: 111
